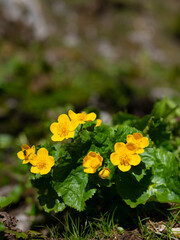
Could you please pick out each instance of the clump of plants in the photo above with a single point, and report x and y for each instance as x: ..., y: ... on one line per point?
x: 136, y: 157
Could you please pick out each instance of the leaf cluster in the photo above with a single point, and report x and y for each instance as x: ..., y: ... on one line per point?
x: 156, y: 178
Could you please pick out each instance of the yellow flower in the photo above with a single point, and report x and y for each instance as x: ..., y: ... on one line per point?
x: 92, y: 162
x: 138, y: 141
x: 42, y: 163
x: 63, y: 129
x: 123, y: 157
x: 98, y: 122
x: 81, y: 118
x: 27, y: 153
x: 104, y: 173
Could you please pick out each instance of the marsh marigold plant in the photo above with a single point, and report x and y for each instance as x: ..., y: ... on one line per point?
x: 129, y: 157
x: 42, y: 162
x: 81, y: 118
x: 104, y: 173
x: 63, y: 129
x: 124, y: 158
x: 92, y: 162
x: 26, y: 154
x: 138, y: 142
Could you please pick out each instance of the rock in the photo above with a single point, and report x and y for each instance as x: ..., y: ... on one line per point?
x: 26, y: 13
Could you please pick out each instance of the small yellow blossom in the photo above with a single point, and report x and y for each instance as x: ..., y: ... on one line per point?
x: 123, y: 157
x: 81, y: 118
x: 98, y: 122
x: 63, y: 129
x: 138, y: 141
x: 104, y: 173
x: 42, y: 163
x: 27, y: 153
x: 92, y: 162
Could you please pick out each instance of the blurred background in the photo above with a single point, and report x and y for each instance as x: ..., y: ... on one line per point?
x: 104, y: 55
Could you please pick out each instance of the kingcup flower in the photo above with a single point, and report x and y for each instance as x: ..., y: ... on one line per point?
x: 123, y: 157
x: 104, y: 173
x: 42, y: 162
x: 92, y: 162
x: 26, y: 154
x: 63, y: 129
x: 98, y: 122
x: 81, y: 118
x: 137, y: 142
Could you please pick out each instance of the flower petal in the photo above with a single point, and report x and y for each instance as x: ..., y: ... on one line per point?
x: 124, y: 168
x: 131, y: 146
x: 130, y: 139
x: 119, y: 147
x: 137, y: 136
x: 73, y: 125
x: 72, y: 115
x: 34, y: 160
x: 25, y: 147
x: 25, y: 161
x: 34, y: 169
x: 100, y: 158
x: 98, y: 122
x: 114, y: 157
x: 33, y: 149
x: 43, y: 152
x: 87, y: 162
x: 63, y: 118
x: 140, y: 150
x: 53, y: 127
x: 56, y: 138
x: 95, y: 163
x: 45, y: 170
x: 90, y: 170
x: 21, y: 155
x: 91, y: 116
x: 104, y: 173
x: 51, y: 161
x: 70, y: 135
x: 144, y: 142
x: 135, y: 159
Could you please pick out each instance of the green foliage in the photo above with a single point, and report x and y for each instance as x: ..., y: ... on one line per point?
x: 156, y: 178
x: 161, y: 182
x: 13, y: 196
x: 18, y: 235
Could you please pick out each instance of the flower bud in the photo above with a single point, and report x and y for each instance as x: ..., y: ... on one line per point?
x: 104, y: 173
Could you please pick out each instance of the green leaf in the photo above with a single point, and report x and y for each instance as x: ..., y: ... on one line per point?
x: 160, y: 108
x: 18, y: 234
x: 47, y: 196
x: 13, y: 197
x: 160, y: 182
x: 122, y: 131
x: 89, y: 125
x: 130, y: 189
x: 101, y: 134
x: 85, y: 136
x: 162, y: 136
x: 166, y: 178
x: 69, y: 155
x: 165, y: 108
x: 2, y: 227
x: 74, y: 190
x: 121, y: 118
x: 147, y: 161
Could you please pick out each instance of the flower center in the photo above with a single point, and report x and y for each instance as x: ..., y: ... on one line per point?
x: 63, y: 129
x: 41, y: 165
x: 124, y: 160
